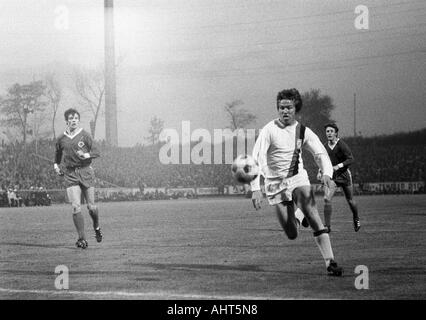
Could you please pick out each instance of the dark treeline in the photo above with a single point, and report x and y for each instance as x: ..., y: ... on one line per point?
x: 397, y: 157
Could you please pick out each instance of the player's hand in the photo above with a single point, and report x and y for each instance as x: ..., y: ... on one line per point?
x: 256, y: 198
x: 335, y: 168
x: 83, y: 155
x: 326, y: 180
x: 58, y: 170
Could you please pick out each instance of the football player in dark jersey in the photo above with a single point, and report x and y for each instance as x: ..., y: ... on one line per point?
x: 341, y: 158
x: 76, y: 147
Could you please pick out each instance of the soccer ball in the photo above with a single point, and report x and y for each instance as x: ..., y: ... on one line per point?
x: 245, y: 169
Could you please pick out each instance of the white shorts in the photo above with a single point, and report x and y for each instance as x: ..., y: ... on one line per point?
x: 281, y: 189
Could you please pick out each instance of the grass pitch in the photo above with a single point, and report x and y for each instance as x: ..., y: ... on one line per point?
x: 212, y: 249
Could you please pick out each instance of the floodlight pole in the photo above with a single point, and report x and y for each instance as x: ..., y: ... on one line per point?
x: 354, y: 114
x: 111, y: 134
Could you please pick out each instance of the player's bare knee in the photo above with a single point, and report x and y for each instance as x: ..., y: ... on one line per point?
x: 306, y: 202
x: 314, y: 220
x: 308, y: 210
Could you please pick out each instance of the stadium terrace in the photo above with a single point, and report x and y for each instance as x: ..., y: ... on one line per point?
x: 180, y: 149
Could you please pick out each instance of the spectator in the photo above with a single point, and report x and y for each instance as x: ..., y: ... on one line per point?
x: 399, y: 157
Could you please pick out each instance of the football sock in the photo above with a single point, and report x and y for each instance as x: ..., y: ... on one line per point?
x: 95, y: 218
x: 354, y: 209
x: 328, y: 209
x: 79, y: 224
x: 324, y: 245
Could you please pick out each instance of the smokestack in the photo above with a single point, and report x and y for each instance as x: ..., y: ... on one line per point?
x: 111, y: 134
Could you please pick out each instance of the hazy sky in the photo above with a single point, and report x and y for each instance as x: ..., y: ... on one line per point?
x: 184, y: 60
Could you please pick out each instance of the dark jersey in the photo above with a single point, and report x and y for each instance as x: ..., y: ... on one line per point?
x: 68, y: 145
x: 340, y: 154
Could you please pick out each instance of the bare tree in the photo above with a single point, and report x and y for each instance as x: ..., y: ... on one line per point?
x: 53, y: 94
x: 90, y: 88
x: 10, y: 135
x: 39, y: 127
x: 19, y: 103
x: 316, y: 110
x: 157, y: 126
x: 238, y: 117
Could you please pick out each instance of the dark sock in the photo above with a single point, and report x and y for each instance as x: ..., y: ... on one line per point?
x: 354, y: 209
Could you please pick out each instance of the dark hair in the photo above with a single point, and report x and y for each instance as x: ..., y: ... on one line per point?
x: 332, y: 125
x: 290, y: 94
x: 69, y: 112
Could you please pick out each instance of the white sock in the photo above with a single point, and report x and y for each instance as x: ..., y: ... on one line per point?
x: 324, y: 245
x: 299, y: 215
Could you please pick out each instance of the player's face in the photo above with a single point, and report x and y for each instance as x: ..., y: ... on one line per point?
x: 331, y: 134
x: 73, y: 121
x: 287, y: 112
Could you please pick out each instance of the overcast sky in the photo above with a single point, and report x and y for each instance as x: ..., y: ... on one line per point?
x: 184, y: 60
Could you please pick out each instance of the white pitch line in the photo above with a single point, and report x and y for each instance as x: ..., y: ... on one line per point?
x: 157, y: 294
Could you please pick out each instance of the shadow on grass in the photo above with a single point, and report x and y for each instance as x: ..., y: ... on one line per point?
x: 38, y: 245
x: 221, y: 267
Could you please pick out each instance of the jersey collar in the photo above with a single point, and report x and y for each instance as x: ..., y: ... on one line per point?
x: 282, y: 126
x: 71, y: 136
x: 334, y: 144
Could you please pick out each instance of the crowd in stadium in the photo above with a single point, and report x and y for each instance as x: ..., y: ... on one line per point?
x: 392, y: 158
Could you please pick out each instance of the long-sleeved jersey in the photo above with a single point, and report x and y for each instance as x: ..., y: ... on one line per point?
x: 340, y: 153
x: 68, y: 145
x: 278, y: 150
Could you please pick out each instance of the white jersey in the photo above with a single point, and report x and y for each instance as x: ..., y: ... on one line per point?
x: 278, y: 150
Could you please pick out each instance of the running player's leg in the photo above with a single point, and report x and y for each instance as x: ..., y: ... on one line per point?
x: 328, y: 209
x: 287, y: 219
x: 348, y: 191
x: 89, y: 195
x: 74, y: 196
x: 306, y: 202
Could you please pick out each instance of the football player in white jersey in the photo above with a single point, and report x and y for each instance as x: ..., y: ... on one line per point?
x: 278, y: 150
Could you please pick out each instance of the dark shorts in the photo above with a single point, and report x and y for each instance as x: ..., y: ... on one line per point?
x: 343, y: 179
x: 80, y: 176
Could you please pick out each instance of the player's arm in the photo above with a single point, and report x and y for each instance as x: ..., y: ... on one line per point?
x: 319, y: 174
x: 259, y: 154
x: 314, y: 145
x: 349, y: 158
x: 58, y: 157
x: 92, y: 152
